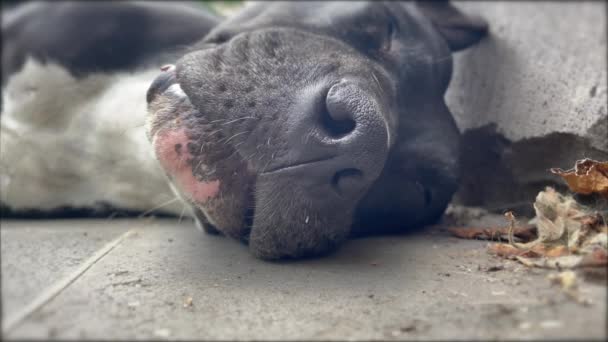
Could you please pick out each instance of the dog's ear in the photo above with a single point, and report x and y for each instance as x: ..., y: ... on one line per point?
x: 459, y: 29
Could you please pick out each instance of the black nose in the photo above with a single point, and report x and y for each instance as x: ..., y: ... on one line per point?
x: 340, y: 131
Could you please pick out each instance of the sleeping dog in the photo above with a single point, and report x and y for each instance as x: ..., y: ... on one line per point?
x: 288, y: 126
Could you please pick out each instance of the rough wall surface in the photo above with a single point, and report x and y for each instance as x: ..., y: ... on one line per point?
x: 531, y: 96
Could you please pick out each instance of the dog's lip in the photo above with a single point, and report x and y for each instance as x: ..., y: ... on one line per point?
x: 295, y: 165
x: 162, y: 82
x: 167, y: 67
x: 246, y: 220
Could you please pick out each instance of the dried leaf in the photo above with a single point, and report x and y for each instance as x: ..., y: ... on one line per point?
x: 504, y: 250
x: 535, y: 251
x: 597, y: 258
x: 563, y: 262
x: 555, y: 251
x: 588, y: 176
x: 587, y: 236
x: 524, y: 233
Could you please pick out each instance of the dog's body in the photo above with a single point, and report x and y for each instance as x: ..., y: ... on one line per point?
x: 72, y: 136
x: 234, y: 128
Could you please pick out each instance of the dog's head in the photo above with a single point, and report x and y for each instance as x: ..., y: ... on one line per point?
x: 291, y: 124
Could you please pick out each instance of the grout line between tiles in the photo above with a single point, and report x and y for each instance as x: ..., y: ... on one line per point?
x: 51, y: 292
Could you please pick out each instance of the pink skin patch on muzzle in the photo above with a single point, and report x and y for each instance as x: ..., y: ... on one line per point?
x: 171, y: 147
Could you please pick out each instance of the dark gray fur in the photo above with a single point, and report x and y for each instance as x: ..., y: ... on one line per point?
x: 304, y: 182
x: 99, y: 36
x: 268, y: 76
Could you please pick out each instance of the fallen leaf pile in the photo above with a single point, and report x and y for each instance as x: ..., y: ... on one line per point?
x: 569, y: 235
x: 564, y: 234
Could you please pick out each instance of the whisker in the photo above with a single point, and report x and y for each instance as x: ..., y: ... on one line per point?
x: 206, y: 136
x: 376, y: 79
x: 251, y: 156
x: 233, y: 153
x: 234, y: 136
x: 198, y: 165
x: 158, y: 207
x: 216, y: 121
x: 266, y: 166
x: 124, y: 131
x: 441, y: 59
x: 181, y: 216
x: 239, y: 119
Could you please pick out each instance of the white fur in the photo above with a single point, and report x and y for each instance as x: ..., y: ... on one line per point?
x: 74, y: 142
x: 176, y: 90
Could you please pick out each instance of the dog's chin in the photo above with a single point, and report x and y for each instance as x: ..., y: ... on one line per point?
x: 293, y: 218
x: 280, y: 222
x: 269, y: 242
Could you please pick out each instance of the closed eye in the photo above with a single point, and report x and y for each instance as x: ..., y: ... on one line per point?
x: 218, y: 38
x: 377, y: 38
x: 390, y: 32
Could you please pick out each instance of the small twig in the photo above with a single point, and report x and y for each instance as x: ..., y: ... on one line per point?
x: 511, y: 217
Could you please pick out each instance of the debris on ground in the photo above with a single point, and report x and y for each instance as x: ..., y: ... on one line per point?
x: 587, y: 177
x: 133, y: 304
x: 493, y: 268
x: 569, y: 284
x: 566, y: 279
x: 510, y: 251
x: 550, y: 324
x: 188, y: 302
x: 459, y: 215
x: 522, y: 233
x: 564, y: 234
x: 595, y: 274
x: 162, y: 333
x: 569, y: 235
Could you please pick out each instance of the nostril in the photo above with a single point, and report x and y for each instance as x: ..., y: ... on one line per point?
x: 347, y: 180
x: 336, y: 127
x: 337, y: 118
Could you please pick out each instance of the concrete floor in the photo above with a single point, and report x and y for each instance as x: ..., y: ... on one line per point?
x: 131, y: 279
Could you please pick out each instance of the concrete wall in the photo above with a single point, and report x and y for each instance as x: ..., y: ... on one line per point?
x: 531, y: 96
